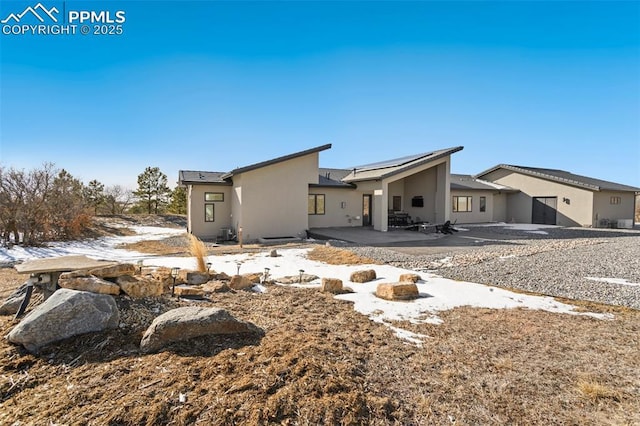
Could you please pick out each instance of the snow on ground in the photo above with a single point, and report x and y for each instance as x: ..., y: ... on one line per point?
x: 436, y: 293
x: 99, y: 248
x: 620, y: 281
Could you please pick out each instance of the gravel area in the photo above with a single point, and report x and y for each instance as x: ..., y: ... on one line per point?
x: 566, y: 262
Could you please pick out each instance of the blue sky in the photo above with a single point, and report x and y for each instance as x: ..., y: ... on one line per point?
x: 204, y: 85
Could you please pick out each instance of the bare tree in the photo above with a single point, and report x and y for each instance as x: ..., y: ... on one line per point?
x: 117, y: 199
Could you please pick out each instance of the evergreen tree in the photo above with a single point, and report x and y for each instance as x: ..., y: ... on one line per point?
x: 152, y: 190
x: 178, y: 200
x: 94, y: 194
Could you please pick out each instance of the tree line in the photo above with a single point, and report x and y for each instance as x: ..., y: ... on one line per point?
x: 49, y: 204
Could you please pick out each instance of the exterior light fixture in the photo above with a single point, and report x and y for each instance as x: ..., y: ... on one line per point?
x: 174, y: 275
x: 265, y: 276
x: 301, y: 272
x: 140, y: 264
x: 238, y: 263
x: 208, y: 267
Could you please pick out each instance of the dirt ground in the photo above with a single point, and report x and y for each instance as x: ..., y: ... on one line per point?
x: 320, y: 362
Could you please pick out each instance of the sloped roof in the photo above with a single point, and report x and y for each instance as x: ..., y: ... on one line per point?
x: 332, y: 178
x: 565, y: 177
x: 275, y: 160
x: 385, y: 169
x: 195, y: 177
x: 468, y: 182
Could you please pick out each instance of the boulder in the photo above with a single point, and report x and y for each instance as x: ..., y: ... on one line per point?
x: 216, y: 287
x: 331, y: 285
x: 140, y: 286
x: 240, y: 282
x: 114, y: 271
x: 192, y: 321
x: 183, y: 290
x: 255, y: 277
x: 91, y: 283
x: 197, y: 278
x: 409, y: 278
x: 163, y: 274
x: 65, y: 314
x: 221, y: 277
x: 363, y: 276
x: 74, y: 274
x: 397, y: 291
x: 12, y: 303
x: 273, y: 253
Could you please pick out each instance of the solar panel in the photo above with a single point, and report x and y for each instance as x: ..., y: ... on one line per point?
x: 396, y: 162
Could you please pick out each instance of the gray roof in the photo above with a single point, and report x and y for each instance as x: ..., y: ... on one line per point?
x: 389, y: 168
x: 275, y: 160
x: 565, y: 177
x: 332, y: 178
x: 468, y: 182
x: 195, y: 177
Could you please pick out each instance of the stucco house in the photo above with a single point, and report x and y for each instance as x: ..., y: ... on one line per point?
x: 558, y: 197
x: 475, y: 200
x: 285, y: 196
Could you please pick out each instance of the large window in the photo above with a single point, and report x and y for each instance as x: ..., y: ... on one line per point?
x: 213, y: 196
x: 615, y: 200
x: 209, y: 212
x: 483, y: 204
x: 461, y: 204
x: 316, y: 204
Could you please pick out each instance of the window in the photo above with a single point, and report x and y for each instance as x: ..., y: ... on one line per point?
x: 209, y: 213
x: 397, y: 203
x: 483, y: 204
x: 461, y: 204
x: 615, y: 200
x: 316, y: 204
x: 213, y: 196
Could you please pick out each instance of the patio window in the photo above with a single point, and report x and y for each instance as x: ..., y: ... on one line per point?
x: 615, y: 200
x: 483, y: 204
x: 316, y: 204
x: 461, y: 204
x: 397, y: 203
x: 209, y: 212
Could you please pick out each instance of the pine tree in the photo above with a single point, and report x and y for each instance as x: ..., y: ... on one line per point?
x: 152, y: 190
x: 178, y: 200
x: 94, y: 194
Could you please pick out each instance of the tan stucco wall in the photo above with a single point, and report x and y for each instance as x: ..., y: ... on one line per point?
x: 274, y: 198
x: 474, y: 216
x: 499, y: 207
x: 421, y: 184
x: 603, y: 209
x: 195, y: 210
x: 335, y: 214
x: 577, y: 212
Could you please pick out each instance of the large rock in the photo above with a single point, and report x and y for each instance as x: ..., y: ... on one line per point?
x: 409, y: 278
x: 363, y: 276
x: 254, y: 277
x: 138, y: 287
x: 114, y: 271
x: 188, y: 322
x: 331, y: 285
x: 216, y: 287
x: 91, y: 283
x: 74, y: 274
x: 397, y: 291
x: 197, y: 278
x: 240, y: 282
x: 12, y: 303
x: 183, y: 290
x: 65, y: 314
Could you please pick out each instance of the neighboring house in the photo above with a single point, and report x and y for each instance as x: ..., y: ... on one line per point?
x: 288, y: 195
x: 478, y: 201
x: 557, y: 197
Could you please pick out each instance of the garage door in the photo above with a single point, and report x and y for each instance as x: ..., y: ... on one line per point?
x: 544, y: 210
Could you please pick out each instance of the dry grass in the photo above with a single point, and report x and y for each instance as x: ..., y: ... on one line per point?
x: 198, y: 250
x: 596, y: 391
x: 154, y: 247
x: 337, y: 256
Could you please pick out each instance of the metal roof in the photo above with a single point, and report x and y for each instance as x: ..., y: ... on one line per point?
x: 565, y: 177
x: 332, y: 178
x: 468, y: 182
x: 195, y: 177
x: 384, y: 169
x: 275, y: 160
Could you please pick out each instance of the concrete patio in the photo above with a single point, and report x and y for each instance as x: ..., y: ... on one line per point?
x: 370, y: 237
